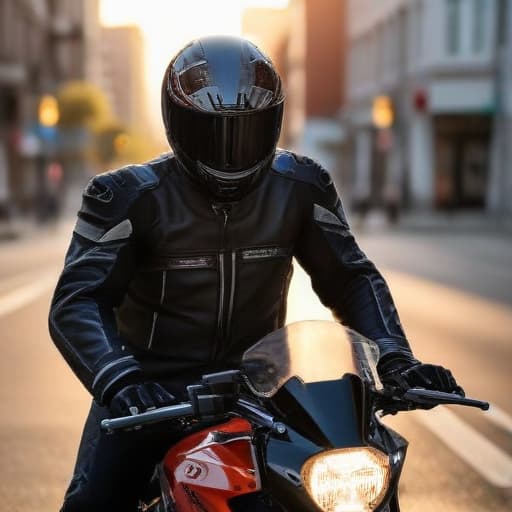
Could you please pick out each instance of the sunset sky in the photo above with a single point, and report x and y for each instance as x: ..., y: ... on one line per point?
x: 168, y: 24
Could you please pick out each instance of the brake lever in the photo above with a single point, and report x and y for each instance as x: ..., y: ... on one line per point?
x: 430, y: 397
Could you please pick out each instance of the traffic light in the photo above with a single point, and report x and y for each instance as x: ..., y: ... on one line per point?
x: 382, y: 112
x: 48, y: 111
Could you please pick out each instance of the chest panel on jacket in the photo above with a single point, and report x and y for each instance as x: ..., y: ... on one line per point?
x: 213, y: 277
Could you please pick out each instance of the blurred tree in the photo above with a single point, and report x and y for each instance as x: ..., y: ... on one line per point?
x: 115, y: 145
x: 85, y: 114
x: 135, y: 147
x: 84, y: 108
x: 105, y: 136
x: 82, y: 104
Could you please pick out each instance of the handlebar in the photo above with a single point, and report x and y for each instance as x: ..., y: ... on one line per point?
x: 428, y: 397
x: 148, y: 417
x: 201, y: 409
x: 414, y: 398
x: 211, y: 405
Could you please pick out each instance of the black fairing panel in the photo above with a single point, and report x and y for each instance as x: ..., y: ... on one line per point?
x: 332, y: 413
x: 319, y: 416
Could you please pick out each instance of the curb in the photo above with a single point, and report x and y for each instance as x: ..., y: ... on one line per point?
x: 23, y: 230
x: 8, y: 235
x: 434, y: 223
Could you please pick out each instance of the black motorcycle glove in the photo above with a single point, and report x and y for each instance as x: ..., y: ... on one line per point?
x: 403, y: 373
x: 137, y: 398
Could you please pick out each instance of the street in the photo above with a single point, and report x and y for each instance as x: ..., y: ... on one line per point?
x: 454, y: 295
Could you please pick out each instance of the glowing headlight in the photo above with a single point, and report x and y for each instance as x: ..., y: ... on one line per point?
x: 347, y: 480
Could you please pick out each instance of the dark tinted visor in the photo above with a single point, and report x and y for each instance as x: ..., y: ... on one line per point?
x: 225, y: 141
x: 223, y: 73
x: 201, y: 90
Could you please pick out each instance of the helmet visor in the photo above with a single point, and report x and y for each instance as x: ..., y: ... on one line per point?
x: 227, y: 141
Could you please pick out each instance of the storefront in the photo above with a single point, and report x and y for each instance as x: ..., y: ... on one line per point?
x: 461, y: 160
x: 8, y: 156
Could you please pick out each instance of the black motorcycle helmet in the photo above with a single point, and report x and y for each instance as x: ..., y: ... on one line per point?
x: 222, y: 106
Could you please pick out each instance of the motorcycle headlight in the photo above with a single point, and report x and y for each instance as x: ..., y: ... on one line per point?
x: 348, y: 479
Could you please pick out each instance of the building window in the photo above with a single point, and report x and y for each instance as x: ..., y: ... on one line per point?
x: 6, y: 17
x: 414, y: 40
x: 453, y: 13
x: 418, y: 28
x: 479, y: 24
x: 503, y: 15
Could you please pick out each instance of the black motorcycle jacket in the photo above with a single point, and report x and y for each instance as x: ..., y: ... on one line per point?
x: 159, y: 273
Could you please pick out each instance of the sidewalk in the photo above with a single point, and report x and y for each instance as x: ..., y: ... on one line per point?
x: 437, y: 222
x: 457, y: 221
x: 20, y: 227
x: 25, y: 229
x: 14, y: 229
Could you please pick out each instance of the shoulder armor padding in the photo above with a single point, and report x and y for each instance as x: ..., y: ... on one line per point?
x: 301, y: 168
x: 109, y: 196
x: 142, y: 177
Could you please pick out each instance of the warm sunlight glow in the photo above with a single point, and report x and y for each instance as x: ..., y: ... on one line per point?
x: 169, y: 24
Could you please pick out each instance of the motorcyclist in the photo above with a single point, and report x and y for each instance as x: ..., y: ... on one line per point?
x: 178, y: 265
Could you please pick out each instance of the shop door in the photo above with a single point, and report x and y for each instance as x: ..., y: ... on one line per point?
x: 462, y: 161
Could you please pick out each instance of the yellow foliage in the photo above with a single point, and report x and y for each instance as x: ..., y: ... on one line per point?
x: 136, y: 148
x: 82, y: 104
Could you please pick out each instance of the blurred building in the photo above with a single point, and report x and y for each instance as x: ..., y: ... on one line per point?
x: 306, y: 40
x: 75, y: 40
x: 499, y: 197
x: 42, y: 44
x: 434, y: 64
x: 325, y: 80
x: 269, y: 29
x: 124, y: 74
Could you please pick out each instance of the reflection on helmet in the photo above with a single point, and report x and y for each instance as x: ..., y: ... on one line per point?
x: 222, y: 106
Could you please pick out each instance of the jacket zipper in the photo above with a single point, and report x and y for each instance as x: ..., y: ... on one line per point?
x: 226, y: 277
x: 156, y: 313
x: 231, y: 293
x: 222, y: 292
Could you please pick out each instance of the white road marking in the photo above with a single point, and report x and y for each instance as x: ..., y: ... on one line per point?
x: 471, y: 446
x: 499, y: 417
x: 25, y: 294
x: 16, y: 280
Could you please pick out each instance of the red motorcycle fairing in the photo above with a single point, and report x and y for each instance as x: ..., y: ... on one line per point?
x: 212, y: 466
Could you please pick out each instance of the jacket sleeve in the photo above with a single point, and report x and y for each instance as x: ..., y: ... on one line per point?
x: 98, y: 267
x: 345, y: 280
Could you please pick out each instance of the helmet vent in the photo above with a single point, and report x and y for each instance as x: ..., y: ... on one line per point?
x: 242, y: 102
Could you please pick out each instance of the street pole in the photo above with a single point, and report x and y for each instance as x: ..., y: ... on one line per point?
x: 48, y: 115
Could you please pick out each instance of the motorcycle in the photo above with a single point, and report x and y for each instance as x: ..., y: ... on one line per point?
x: 297, y: 426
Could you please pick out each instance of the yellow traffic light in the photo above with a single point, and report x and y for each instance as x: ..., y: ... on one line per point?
x: 48, y: 111
x: 382, y: 112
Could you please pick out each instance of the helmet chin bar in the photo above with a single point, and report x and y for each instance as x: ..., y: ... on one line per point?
x: 232, y: 186
x: 229, y: 176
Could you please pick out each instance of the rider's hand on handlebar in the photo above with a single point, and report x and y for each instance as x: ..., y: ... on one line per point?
x: 139, y: 397
x: 406, y: 373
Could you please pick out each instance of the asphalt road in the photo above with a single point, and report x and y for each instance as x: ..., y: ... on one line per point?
x: 458, y: 317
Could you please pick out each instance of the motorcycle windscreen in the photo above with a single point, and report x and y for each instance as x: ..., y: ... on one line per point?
x: 312, y: 351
